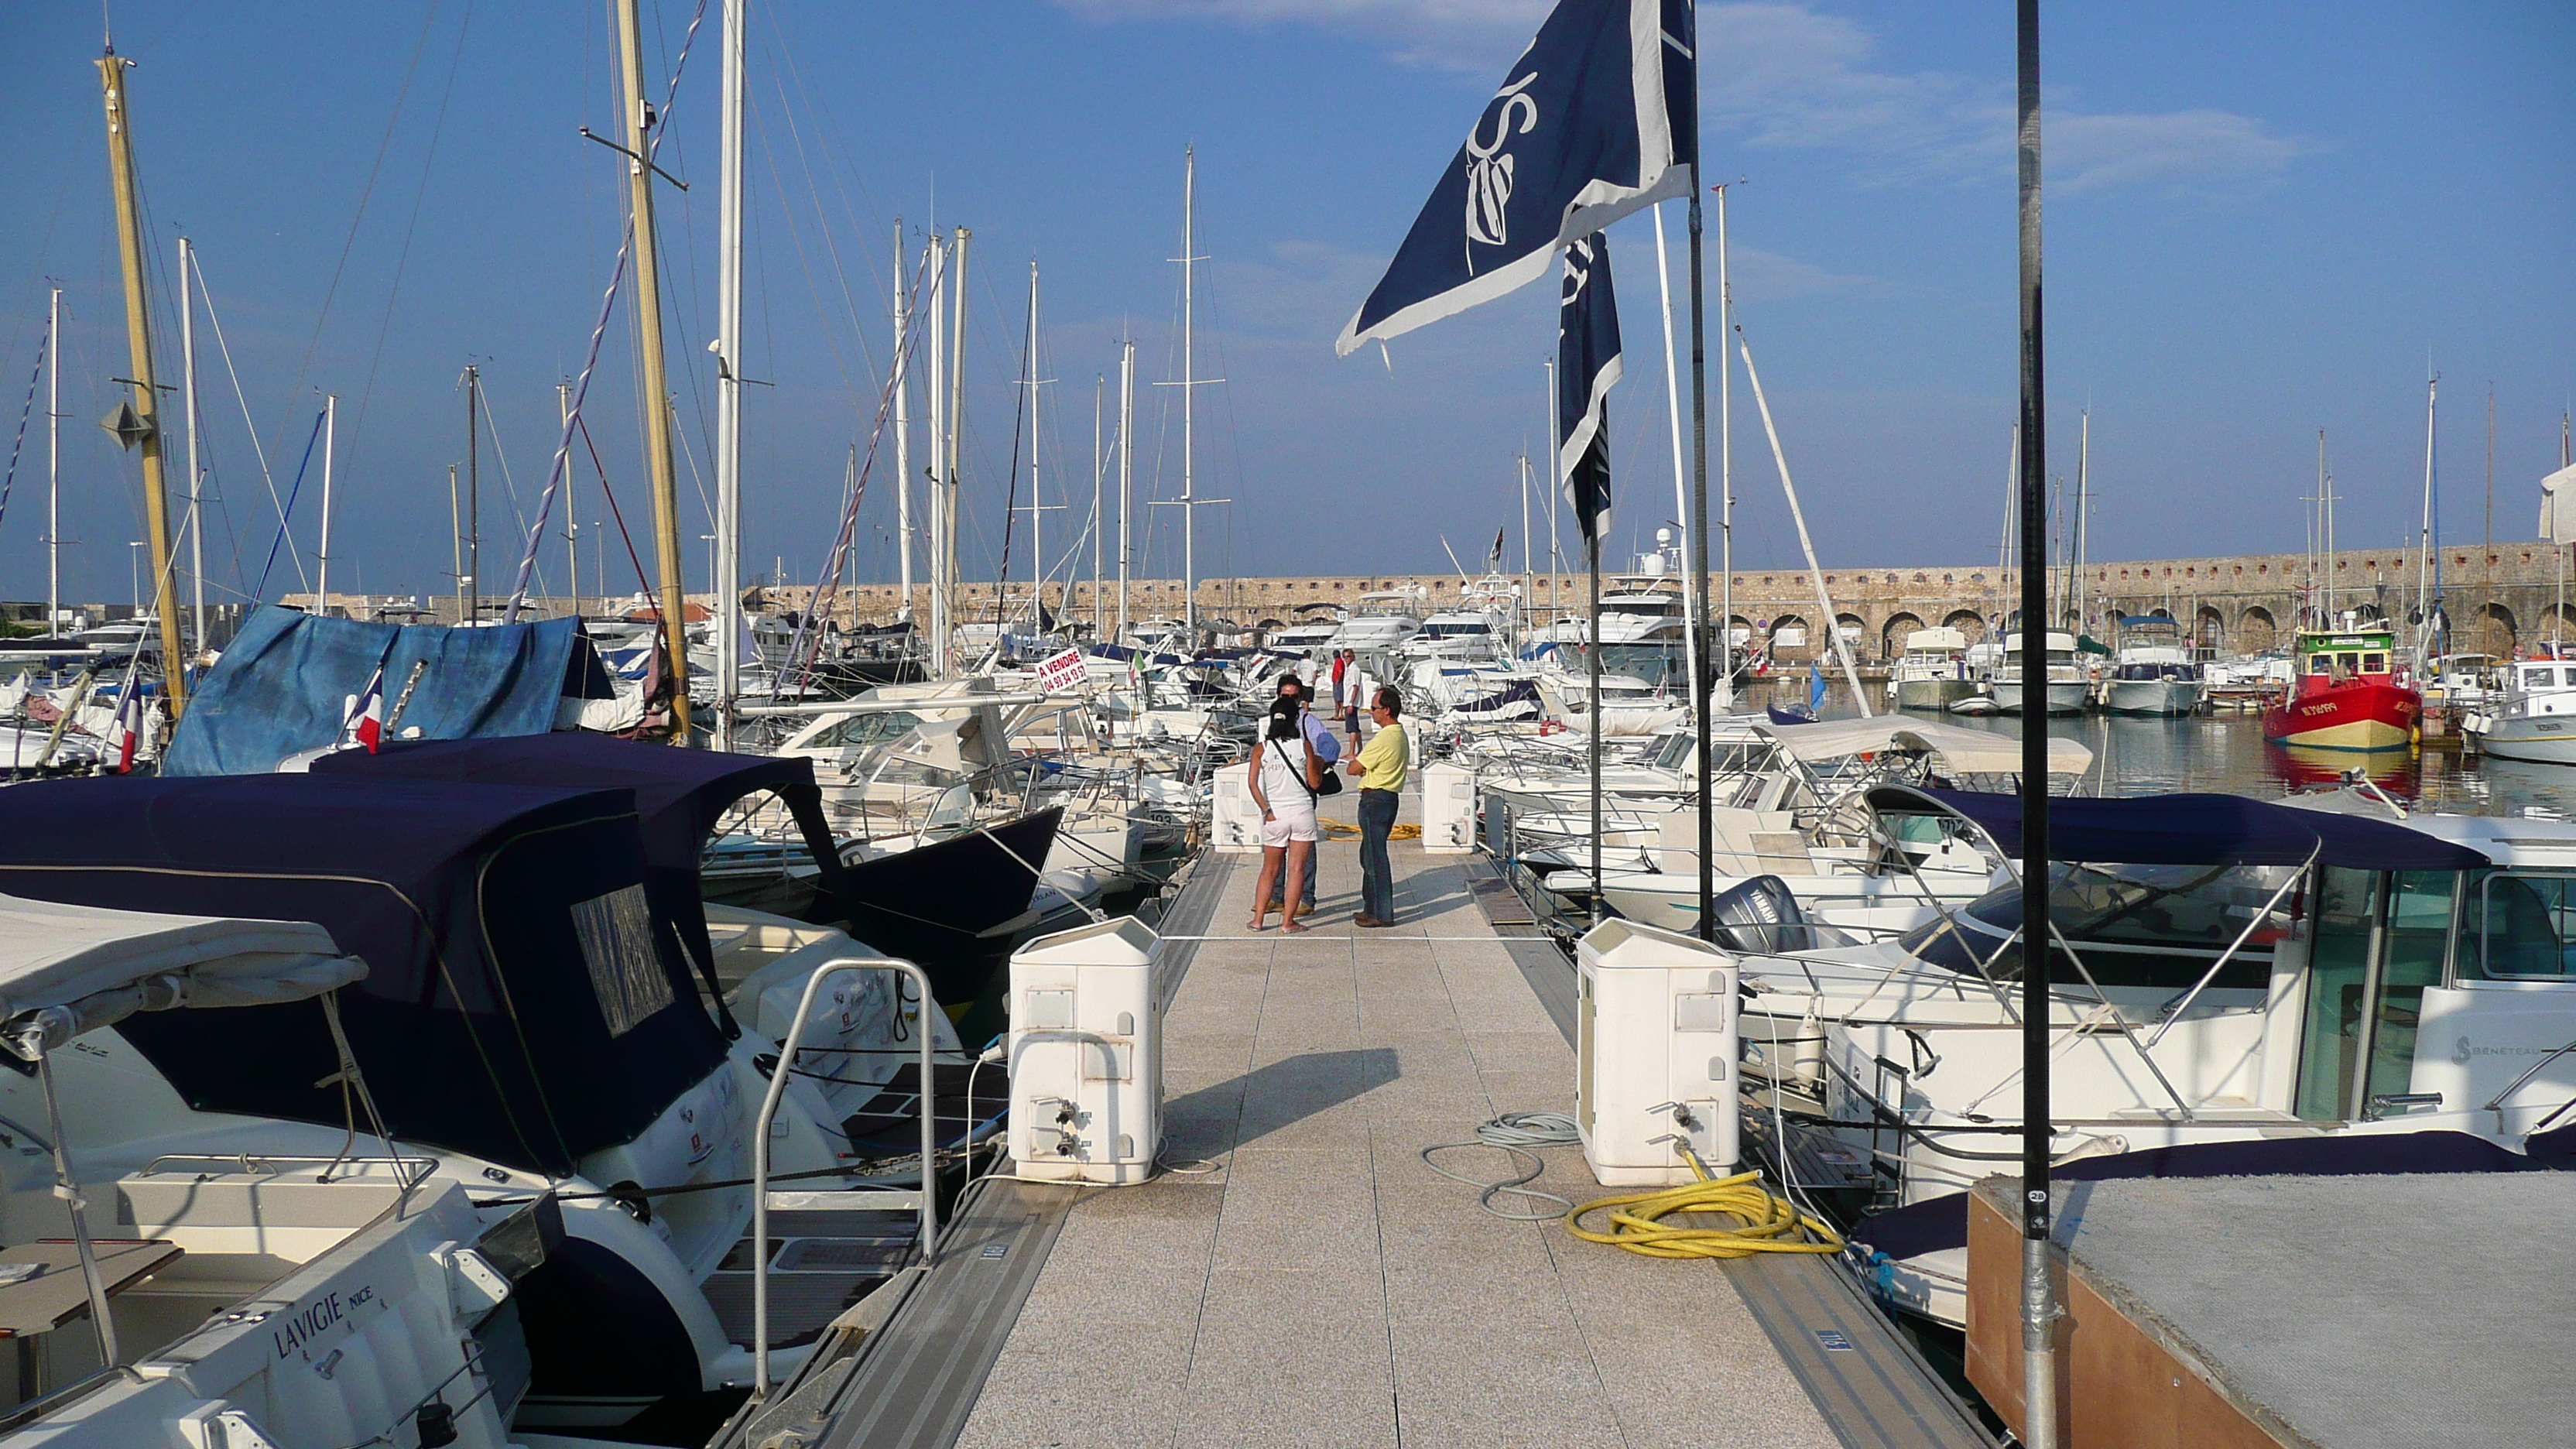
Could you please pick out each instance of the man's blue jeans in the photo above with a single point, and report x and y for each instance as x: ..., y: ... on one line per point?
x: 1377, y: 874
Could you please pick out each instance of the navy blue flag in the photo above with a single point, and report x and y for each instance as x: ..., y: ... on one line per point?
x: 1587, y: 364
x: 1597, y: 119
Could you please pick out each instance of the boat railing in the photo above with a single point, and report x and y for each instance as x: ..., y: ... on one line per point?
x: 925, y: 1199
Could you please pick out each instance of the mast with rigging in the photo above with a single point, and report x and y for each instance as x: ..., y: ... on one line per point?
x: 728, y: 350
x: 654, y: 410
x: 137, y: 422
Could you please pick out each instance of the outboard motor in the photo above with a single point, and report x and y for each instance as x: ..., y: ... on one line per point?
x: 1762, y: 916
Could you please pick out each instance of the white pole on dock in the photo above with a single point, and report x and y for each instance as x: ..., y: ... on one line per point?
x: 902, y: 428
x: 1681, y: 478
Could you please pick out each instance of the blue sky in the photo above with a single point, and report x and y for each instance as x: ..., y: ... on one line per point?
x: 2262, y: 220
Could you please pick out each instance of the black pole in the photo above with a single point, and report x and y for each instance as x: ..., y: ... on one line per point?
x: 1701, y: 706
x: 1592, y: 665
x: 2039, y: 1309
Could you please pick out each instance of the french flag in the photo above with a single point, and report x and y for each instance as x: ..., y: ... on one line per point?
x: 366, y: 724
x: 129, y: 728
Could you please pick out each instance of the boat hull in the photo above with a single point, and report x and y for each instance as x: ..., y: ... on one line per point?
x: 2064, y: 696
x: 1932, y: 693
x: 2549, y: 740
x: 2151, y: 696
x: 2362, y: 715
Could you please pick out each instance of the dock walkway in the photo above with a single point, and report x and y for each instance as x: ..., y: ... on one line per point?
x: 1299, y: 1277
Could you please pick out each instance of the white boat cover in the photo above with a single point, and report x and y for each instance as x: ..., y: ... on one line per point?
x: 1965, y: 751
x: 103, y: 965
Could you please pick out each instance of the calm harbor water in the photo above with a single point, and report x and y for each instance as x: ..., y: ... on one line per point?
x: 2227, y: 753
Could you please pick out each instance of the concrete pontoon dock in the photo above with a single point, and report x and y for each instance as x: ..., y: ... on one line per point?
x: 1297, y: 1276
x: 2335, y: 1312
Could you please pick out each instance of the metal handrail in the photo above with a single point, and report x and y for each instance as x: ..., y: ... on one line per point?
x: 927, y: 1200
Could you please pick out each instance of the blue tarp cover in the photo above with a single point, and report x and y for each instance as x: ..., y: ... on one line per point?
x: 523, y: 1002
x: 283, y: 684
x: 2191, y: 829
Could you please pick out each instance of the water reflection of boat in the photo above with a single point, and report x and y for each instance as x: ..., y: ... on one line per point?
x: 2304, y: 765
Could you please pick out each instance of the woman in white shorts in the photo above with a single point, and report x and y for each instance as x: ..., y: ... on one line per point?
x: 1284, y: 771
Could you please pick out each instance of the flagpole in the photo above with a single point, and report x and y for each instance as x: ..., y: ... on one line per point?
x: 1701, y: 702
x: 2038, y: 1293
x: 1592, y: 667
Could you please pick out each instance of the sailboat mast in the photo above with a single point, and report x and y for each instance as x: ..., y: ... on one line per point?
x: 936, y: 392
x: 1126, y: 471
x: 1555, y: 477
x: 322, y: 556
x: 147, y: 394
x: 728, y: 564
x: 902, y: 425
x: 197, y: 471
x: 655, y: 408
x: 473, y: 494
x: 949, y: 487
x: 1099, y: 387
x: 54, y: 462
x: 572, y: 516
x: 1189, y: 398
x: 1681, y: 477
x: 2424, y: 535
x: 1724, y: 693
x: 2083, y: 510
x: 1037, y: 508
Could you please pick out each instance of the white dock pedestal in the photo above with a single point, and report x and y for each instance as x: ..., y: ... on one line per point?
x: 1654, y: 1054
x: 1235, y: 826
x: 1448, y: 810
x: 1086, y: 1055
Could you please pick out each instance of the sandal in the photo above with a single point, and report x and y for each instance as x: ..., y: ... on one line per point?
x: 1255, y: 924
x: 1294, y: 929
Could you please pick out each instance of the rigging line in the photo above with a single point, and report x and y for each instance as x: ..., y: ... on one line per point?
x: 607, y: 305
x: 402, y: 259
x: 823, y: 220
x: 242, y: 399
x: 805, y: 263
x: 366, y: 194
x: 285, y: 512
x: 509, y: 485
x: 35, y: 377
x: 1011, y: 492
x: 613, y: 511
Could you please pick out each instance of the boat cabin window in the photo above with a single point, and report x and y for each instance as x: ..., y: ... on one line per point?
x: 2374, y: 664
x: 862, y: 730
x: 2361, y: 1023
x: 2154, y: 926
x: 2521, y: 927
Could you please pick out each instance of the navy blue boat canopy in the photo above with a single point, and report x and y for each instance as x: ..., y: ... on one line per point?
x: 680, y: 796
x: 526, y: 1000
x: 283, y: 685
x: 2190, y: 829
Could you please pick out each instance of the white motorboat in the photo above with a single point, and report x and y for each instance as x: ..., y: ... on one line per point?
x: 2537, y: 721
x: 1464, y: 636
x: 247, y: 1296
x: 1383, y: 620
x: 1641, y: 609
x: 2273, y: 989
x: 1932, y: 673
x: 2153, y: 673
x: 1310, y: 629
x: 2065, y: 686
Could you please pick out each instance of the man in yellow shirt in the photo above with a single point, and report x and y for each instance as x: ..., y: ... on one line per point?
x: 1380, y: 767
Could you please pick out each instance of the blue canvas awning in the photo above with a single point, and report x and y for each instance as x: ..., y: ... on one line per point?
x: 680, y: 795
x: 283, y: 684
x: 525, y: 1001
x: 2190, y: 829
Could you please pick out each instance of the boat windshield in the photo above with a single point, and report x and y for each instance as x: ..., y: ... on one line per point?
x: 1441, y: 630
x: 1649, y: 608
x: 2152, y: 926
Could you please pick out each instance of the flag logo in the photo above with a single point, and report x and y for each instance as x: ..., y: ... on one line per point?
x: 1489, y: 166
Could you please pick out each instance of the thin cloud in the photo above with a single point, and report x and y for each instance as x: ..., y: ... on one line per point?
x: 1777, y: 76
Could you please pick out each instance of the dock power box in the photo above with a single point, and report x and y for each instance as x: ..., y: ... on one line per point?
x: 1448, y: 809
x: 1086, y: 1054
x: 1655, y: 1055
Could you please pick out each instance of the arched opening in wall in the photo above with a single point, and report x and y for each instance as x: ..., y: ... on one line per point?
x: 2256, y: 630
x: 2370, y: 613
x: 1891, y: 639
x: 2556, y: 626
x: 1789, y: 635
x: 2492, y: 632
x: 2160, y: 612
x: 1853, y: 628
x: 2209, y: 629
x: 1968, y: 622
x: 1739, y: 631
x: 1272, y: 624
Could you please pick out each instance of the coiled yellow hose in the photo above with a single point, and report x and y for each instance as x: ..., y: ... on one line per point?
x: 1770, y: 1225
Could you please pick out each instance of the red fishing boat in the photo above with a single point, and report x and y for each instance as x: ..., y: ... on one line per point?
x: 2346, y: 696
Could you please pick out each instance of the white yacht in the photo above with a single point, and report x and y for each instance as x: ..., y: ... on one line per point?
x: 2154, y: 673
x: 2065, y: 686
x: 1458, y: 635
x: 1641, y: 609
x: 1311, y: 627
x: 2537, y: 720
x: 2284, y: 990
x: 1383, y: 620
x: 1932, y: 673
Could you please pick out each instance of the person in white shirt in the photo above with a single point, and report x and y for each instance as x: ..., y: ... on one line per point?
x: 1284, y: 775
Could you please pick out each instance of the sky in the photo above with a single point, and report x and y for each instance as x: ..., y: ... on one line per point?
x: 2262, y: 221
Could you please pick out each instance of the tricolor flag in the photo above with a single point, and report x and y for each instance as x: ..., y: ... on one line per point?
x: 366, y: 722
x: 129, y: 727
x: 1587, y: 364
x: 1494, y: 560
x: 1597, y: 119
